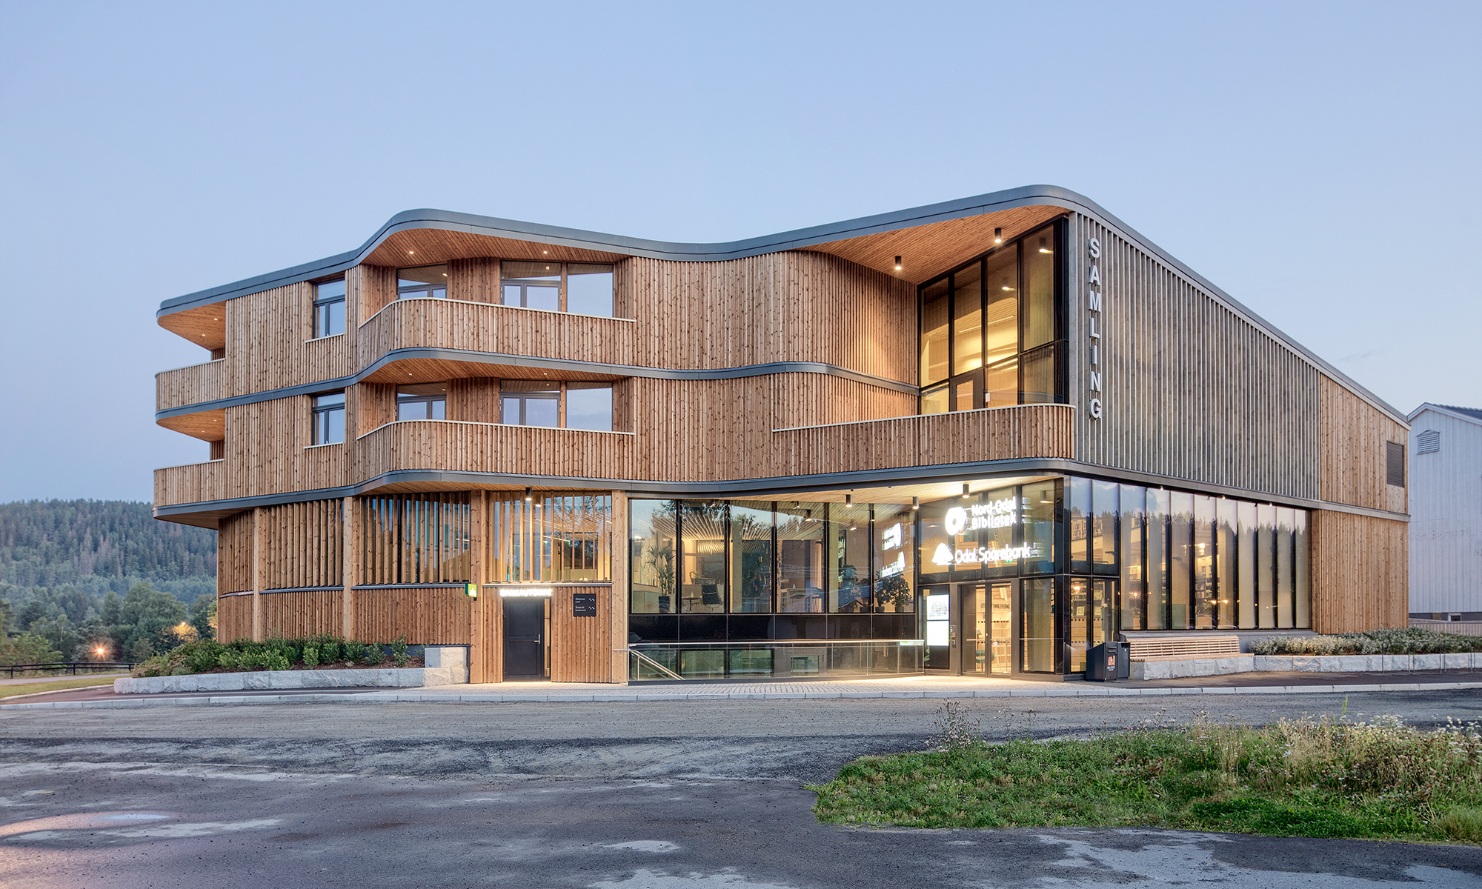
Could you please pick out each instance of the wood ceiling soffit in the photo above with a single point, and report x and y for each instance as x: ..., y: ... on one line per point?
x: 206, y: 425
x: 435, y: 370
x: 433, y: 246
x: 204, y: 325
x: 928, y: 250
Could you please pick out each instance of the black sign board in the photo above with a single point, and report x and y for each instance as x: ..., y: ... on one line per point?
x: 583, y: 604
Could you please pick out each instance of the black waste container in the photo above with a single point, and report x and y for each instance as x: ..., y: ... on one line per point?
x: 1104, y: 662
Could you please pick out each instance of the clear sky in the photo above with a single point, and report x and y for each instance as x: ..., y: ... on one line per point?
x: 1321, y: 162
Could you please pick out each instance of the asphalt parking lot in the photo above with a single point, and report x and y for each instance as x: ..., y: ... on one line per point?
x: 638, y: 794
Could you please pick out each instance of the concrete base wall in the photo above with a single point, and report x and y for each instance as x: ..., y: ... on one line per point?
x: 444, y: 665
x: 1353, y: 663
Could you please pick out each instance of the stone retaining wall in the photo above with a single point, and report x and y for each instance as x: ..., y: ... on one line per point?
x: 1302, y: 663
x: 444, y: 665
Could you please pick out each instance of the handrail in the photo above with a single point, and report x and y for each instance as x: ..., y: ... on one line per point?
x: 65, y: 666
x: 653, y: 663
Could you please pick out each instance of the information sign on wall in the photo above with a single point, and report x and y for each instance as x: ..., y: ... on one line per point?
x: 583, y: 604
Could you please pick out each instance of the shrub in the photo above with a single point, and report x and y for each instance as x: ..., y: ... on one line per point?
x: 1411, y: 640
x: 311, y: 655
x: 329, y: 651
x: 399, y: 651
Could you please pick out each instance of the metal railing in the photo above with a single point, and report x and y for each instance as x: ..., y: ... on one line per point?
x: 73, y: 667
x: 643, y: 658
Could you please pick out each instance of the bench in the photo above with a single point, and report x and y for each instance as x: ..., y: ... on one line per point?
x: 1170, y: 647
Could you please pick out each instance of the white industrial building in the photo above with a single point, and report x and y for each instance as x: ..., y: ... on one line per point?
x: 1446, y: 513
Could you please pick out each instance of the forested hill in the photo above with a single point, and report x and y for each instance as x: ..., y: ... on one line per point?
x: 100, y: 545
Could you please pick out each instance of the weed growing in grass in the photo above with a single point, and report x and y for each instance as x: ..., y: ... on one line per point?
x: 956, y: 729
x: 1322, y: 778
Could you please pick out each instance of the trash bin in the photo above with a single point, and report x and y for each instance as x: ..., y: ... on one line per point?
x: 1104, y: 662
x: 1124, y: 659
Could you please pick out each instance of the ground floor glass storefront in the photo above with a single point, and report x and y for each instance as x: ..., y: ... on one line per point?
x: 1001, y: 577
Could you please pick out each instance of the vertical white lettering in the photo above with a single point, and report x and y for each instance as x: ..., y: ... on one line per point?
x: 1095, y: 276
x: 1093, y: 300
x: 1095, y: 381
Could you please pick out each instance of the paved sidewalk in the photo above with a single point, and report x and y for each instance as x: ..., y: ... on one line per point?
x: 891, y: 687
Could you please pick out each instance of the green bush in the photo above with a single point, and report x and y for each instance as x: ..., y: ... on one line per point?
x: 1411, y: 640
x: 399, y: 651
x: 311, y: 655
x: 329, y: 650
x: 208, y: 656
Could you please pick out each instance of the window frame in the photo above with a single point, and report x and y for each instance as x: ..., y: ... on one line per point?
x: 563, y: 286
x: 321, y: 426
x: 429, y: 400
x: 427, y: 290
x: 322, y: 309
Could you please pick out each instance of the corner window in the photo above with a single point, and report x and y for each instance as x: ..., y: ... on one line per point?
x: 329, y: 418
x: 422, y: 282
x: 990, y: 333
x: 589, y: 406
x: 329, y: 308
x: 428, y: 401
x: 582, y: 288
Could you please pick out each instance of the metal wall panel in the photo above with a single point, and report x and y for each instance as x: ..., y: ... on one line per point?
x: 1446, y: 516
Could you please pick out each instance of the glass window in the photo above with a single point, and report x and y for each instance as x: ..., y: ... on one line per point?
x: 1039, y: 376
x: 800, y: 563
x: 1285, y: 524
x: 651, y: 568
x: 561, y: 539
x: 414, y: 538
x: 1003, y: 384
x: 1157, y: 568
x: 849, y: 574
x: 1246, y: 565
x: 1039, y: 527
x: 425, y: 401
x: 1037, y: 640
x: 1303, y: 580
x: 934, y: 329
x: 1002, y: 286
x: 1079, y: 610
x: 702, y: 569
x: 329, y: 308
x: 589, y: 406
x: 1078, y: 503
x: 1133, y: 533
x: 967, y: 321
x: 526, y: 403
x: 1039, y: 288
x: 1266, y: 566
x: 893, y: 559
x: 531, y: 285
x: 1205, y: 604
x: 589, y: 288
x: 1180, y: 558
x: 422, y: 282
x: 329, y: 418
x: 1103, y: 527
x: 934, y: 401
x: 1226, y: 584
x: 751, y: 558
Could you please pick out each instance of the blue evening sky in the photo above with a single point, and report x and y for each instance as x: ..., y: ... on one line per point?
x: 1322, y: 162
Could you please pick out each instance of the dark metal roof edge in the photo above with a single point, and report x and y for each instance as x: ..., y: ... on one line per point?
x: 772, y: 484
x: 1028, y: 195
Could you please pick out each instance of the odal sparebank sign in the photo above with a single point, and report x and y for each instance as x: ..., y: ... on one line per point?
x: 961, y: 520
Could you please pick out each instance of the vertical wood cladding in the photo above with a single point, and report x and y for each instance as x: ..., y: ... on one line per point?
x: 1360, y: 576
x: 790, y: 306
x: 302, y: 613
x: 506, y: 330
x: 475, y: 400
x: 413, y: 539
x: 190, y: 385
x: 234, y: 617
x: 303, y: 545
x: 421, y: 616
x: 234, y: 553
x: 474, y: 280
x: 1354, y: 435
x: 1191, y: 390
x: 581, y: 646
x: 269, y: 342
x: 268, y: 452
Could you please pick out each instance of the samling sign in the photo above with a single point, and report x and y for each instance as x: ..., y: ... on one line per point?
x: 1093, y: 328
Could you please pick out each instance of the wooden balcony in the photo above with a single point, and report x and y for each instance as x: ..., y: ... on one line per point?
x: 492, y: 447
x: 1004, y: 433
x: 189, y: 385
x: 191, y: 483
x: 481, y: 327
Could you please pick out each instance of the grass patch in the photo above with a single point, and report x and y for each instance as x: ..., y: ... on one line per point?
x: 40, y: 685
x: 1327, y: 778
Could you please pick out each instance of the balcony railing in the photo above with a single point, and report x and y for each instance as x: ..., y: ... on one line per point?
x: 191, y: 483
x: 481, y: 327
x: 492, y: 447
x: 189, y: 385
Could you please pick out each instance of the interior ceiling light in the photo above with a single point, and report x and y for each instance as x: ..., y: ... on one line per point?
x: 1044, y: 245
x: 528, y: 495
x: 897, y: 263
x: 848, y: 499
x: 998, y: 236
x: 915, y: 502
x: 964, y: 491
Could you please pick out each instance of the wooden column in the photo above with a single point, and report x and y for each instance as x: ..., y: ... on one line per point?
x: 618, y: 610
x: 257, y: 554
x: 350, y: 556
x: 483, y: 660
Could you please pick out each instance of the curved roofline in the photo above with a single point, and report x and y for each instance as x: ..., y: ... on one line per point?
x: 492, y: 226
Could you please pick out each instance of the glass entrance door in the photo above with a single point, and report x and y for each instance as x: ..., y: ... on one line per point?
x: 987, y: 624
x: 1000, y: 628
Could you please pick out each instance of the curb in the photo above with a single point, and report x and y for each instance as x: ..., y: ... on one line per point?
x: 380, y: 697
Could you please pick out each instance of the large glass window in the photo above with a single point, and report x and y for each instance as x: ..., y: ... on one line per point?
x: 800, y: 562
x: 1266, y: 566
x: 751, y: 558
x: 1285, y: 525
x: 1078, y: 509
x: 989, y: 329
x: 1157, y: 565
x: 1037, y: 638
x: 1103, y: 527
x: 528, y: 403
x: 1226, y: 577
x: 1303, y: 583
x: 1132, y: 545
x: 893, y: 562
x: 557, y: 539
x: 1202, y: 555
x: 424, y: 401
x: 329, y: 418
x: 1180, y: 558
x: 329, y: 308
x: 849, y: 547
x: 589, y: 406
x: 1245, y: 570
x: 702, y: 569
x: 583, y: 288
x: 422, y: 282
x: 651, y: 556
x: 1039, y: 527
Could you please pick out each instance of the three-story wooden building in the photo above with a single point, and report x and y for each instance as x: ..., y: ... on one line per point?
x: 980, y: 436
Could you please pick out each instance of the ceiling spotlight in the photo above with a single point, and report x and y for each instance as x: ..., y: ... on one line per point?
x: 998, y: 236
x: 848, y: 499
x: 411, y: 253
x: 528, y: 495
x: 964, y: 491
x: 915, y: 502
x: 1044, y: 245
x: 897, y: 263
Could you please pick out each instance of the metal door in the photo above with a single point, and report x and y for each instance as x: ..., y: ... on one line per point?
x: 524, y: 638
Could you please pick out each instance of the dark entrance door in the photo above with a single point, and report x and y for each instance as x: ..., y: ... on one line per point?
x: 524, y: 638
